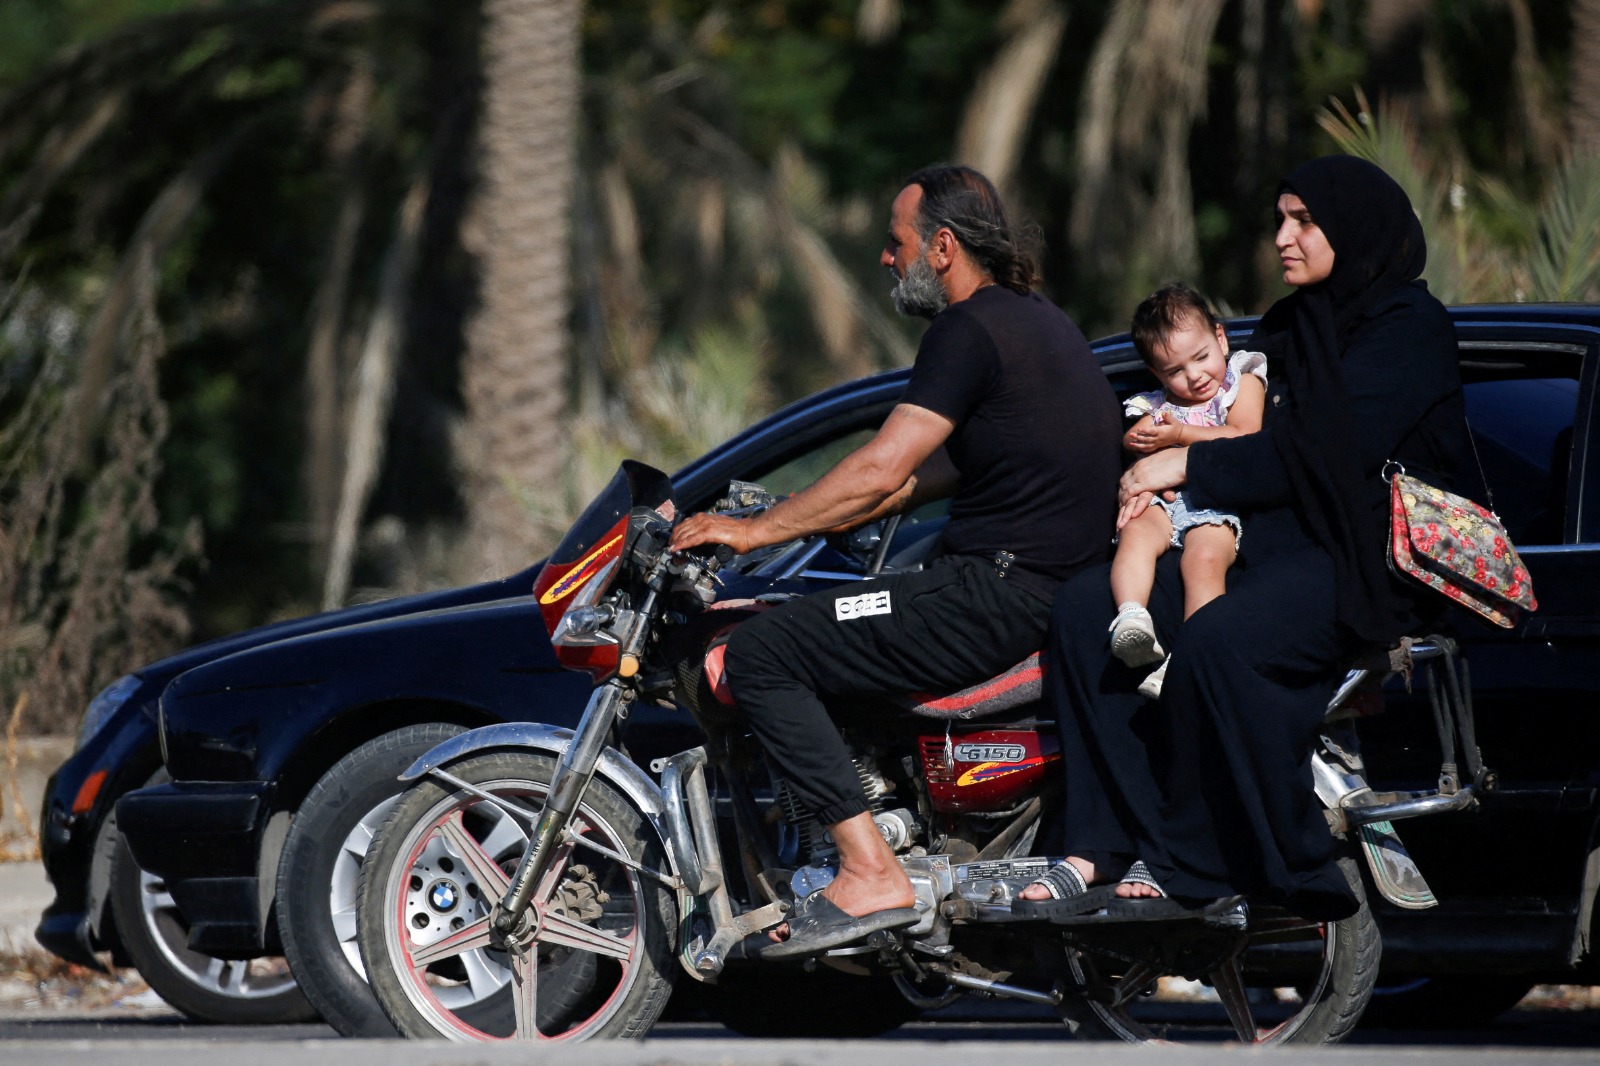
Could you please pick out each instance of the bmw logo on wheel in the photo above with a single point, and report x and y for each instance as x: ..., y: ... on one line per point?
x: 443, y: 896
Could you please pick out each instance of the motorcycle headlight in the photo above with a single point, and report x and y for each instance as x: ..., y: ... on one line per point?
x: 103, y: 706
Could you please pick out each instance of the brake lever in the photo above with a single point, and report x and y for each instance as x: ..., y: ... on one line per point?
x: 707, y: 563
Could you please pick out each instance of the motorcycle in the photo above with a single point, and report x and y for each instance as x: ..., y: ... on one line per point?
x: 569, y: 889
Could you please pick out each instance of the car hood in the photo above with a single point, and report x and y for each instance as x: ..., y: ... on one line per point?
x: 520, y: 584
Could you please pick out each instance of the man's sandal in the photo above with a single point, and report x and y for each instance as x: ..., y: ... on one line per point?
x: 817, y: 924
x: 1070, y: 895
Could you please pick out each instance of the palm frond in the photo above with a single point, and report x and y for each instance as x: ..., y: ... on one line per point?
x: 1387, y: 137
x: 1565, y: 260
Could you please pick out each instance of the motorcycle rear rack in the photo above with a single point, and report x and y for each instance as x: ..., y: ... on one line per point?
x: 1370, y: 815
x: 1338, y: 769
x: 1339, y: 775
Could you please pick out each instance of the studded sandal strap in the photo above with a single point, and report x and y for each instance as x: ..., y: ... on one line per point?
x: 1139, y: 874
x: 1063, y: 881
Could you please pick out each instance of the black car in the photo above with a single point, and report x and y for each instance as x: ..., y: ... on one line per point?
x: 104, y: 901
x: 349, y: 695
x: 283, y: 742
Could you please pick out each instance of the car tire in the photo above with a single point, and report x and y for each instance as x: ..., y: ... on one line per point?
x: 319, y: 874
x: 1449, y: 1001
x: 156, y: 938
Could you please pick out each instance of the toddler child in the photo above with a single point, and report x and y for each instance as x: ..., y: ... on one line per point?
x: 1205, y: 394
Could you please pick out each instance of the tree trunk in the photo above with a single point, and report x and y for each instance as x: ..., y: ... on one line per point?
x: 1006, y: 96
x: 1585, y: 66
x: 514, y: 372
x: 367, y: 413
x: 323, y: 469
x: 1541, y: 133
x: 1133, y: 209
x: 160, y: 225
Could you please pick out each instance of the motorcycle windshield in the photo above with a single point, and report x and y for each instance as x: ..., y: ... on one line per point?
x: 582, y: 566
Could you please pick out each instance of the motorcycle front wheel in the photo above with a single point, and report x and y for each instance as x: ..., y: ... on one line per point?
x: 1293, y: 981
x: 597, y: 961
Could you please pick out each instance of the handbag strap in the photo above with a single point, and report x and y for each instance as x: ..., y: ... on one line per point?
x: 1477, y: 460
x: 1488, y: 493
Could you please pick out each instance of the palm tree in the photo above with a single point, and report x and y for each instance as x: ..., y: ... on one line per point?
x: 1006, y: 95
x: 514, y: 371
x: 1584, y: 91
x: 1133, y: 211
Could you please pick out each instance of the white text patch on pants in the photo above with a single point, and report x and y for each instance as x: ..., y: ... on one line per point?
x: 868, y: 603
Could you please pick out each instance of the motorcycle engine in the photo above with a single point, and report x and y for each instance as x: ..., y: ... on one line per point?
x: 807, y: 841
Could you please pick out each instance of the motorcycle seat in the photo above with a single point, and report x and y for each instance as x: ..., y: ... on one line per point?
x: 1021, y: 684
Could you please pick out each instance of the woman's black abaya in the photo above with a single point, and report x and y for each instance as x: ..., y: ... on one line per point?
x: 1215, y: 799
x: 1211, y: 785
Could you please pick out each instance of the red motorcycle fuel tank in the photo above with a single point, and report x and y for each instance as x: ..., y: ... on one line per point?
x: 981, y: 769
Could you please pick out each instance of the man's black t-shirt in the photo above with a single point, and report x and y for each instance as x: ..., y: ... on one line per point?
x: 1037, y: 439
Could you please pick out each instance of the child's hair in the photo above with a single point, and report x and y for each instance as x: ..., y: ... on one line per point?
x: 1165, y: 311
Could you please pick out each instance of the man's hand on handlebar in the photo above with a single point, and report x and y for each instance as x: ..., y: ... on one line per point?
x: 700, y: 529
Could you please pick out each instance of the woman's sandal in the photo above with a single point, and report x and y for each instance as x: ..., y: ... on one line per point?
x: 1070, y: 895
x: 1227, y: 911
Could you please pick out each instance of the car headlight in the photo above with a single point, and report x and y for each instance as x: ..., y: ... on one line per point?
x: 103, y: 706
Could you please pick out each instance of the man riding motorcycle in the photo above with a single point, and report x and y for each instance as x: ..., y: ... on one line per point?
x: 1008, y: 415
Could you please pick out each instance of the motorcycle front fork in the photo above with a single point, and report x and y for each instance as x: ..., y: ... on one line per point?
x: 571, y: 778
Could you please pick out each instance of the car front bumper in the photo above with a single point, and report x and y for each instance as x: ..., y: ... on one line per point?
x: 208, y: 842
x: 65, y: 932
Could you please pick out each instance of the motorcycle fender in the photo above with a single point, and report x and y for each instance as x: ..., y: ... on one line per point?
x: 618, y: 771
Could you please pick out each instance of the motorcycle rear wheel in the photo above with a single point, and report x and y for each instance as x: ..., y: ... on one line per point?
x: 1295, y: 982
x: 443, y: 858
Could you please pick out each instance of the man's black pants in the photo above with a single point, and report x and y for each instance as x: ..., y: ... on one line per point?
x: 954, y: 624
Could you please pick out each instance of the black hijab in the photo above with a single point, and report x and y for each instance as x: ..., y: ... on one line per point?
x: 1379, y: 249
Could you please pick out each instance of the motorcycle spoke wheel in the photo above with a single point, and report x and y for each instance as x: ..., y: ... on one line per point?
x: 525, y: 982
x: 1293, y: 981
x: 592, y: 944
x: 1147, y: 1005
x: 1235, y: 1000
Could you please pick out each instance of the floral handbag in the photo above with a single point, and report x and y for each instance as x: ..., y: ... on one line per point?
x: 1457, y: 548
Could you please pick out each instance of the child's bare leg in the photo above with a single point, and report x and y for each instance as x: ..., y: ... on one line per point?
x: 1141, y: 543
x: 1208, y: 551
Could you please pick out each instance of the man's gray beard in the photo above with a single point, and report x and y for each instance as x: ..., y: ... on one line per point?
x: 919, y: 292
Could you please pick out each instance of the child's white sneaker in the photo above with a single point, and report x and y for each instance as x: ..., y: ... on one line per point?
x: 1150, y: 687
x: 1133, y: 636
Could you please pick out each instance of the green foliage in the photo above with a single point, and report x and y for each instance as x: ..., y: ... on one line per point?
x: 738, y: 159
x: 1565, y: 264
x: 676, y: 409
x: 32, y: 31
x: 91, y: 585
x: 1486, y: 242
x: 1387, y: 138
x: 236, y: 278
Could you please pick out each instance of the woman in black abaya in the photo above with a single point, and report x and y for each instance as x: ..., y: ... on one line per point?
x: 1211, y: 786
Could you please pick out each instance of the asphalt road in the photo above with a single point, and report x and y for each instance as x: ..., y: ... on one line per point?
x: 139, y: 1031
x: 58, y: 1040
x: 160, y: 1037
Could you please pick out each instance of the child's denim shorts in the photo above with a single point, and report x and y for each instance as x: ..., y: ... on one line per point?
x: 1185, y: 518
